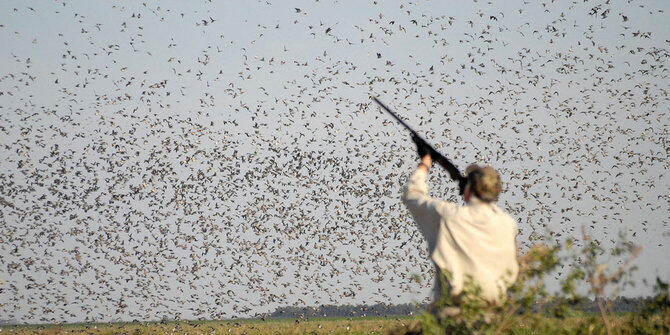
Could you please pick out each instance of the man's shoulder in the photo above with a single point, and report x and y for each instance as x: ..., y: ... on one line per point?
x: 496, y: 208
x: 505, y: 216
x: 499, y: 215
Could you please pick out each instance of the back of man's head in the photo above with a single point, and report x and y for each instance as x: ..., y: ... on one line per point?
x: 484, y: 182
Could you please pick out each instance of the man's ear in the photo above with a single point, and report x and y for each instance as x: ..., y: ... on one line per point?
x: 466, y: 193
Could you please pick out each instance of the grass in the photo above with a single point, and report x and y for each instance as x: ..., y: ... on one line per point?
x: 362, y: 325
x: 526, y: 324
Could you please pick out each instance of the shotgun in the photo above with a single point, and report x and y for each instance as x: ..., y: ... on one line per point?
x: 436, y: 156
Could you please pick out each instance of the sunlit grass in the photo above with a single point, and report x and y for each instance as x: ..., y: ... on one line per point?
x: 523, y: 324
x: 367, y: 325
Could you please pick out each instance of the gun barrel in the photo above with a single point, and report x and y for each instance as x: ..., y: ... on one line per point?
x: 381, y: 104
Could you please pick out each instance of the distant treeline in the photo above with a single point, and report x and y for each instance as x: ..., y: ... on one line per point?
x: 619, y: 305
x: 348, y: 311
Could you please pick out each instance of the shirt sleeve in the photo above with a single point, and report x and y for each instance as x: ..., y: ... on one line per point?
x: 415, y: 197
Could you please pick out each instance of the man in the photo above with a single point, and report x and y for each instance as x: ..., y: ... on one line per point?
x: 475, y: 241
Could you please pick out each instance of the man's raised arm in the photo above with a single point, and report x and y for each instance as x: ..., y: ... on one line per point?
x: 415, y: 196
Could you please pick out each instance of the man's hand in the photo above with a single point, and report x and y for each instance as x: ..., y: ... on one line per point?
x: 426, y: 162
x: 424, y: 153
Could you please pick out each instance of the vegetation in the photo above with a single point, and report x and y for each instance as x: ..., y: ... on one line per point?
x: 628, y: 323
x: 368, y: 325
x: 530, y: 309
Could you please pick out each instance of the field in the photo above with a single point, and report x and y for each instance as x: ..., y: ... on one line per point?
x: 366, y: 325
x: 529, y: 324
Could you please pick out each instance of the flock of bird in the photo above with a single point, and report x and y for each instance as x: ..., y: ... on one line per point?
x: 217, y: 161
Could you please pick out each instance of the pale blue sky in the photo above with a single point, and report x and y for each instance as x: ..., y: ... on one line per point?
x: 147, y: 104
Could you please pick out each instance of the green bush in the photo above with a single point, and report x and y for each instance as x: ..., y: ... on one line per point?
x: 529, y: 308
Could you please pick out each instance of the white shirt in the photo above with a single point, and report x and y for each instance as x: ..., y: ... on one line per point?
x: 474, y: 240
